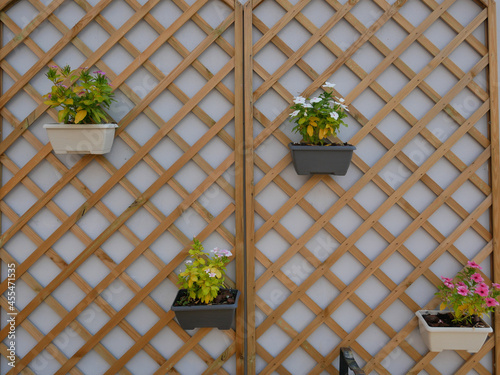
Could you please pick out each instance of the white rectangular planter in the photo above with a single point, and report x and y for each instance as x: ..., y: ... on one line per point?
x: 81, y: 138
x: 438, y: 339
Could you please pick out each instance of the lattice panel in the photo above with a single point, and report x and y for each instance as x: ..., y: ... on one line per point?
x: 98, y: 240
x: 346, y: 261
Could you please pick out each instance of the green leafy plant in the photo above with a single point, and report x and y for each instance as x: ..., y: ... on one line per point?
x: 319, y: 117
x: 80, y: 94
x: 204, y: 273
x: 468, y: 295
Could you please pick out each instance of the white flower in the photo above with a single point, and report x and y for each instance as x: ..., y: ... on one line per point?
x: 335, y: 115
x: 341, y: 100
x: 328, y: 84
x: 344, y: 107
x: 189, y: 261
x: 294, y: 113
x: 315, y: 100
x: 212, y: 274
x: 308, y: 105
x: 299, y: 100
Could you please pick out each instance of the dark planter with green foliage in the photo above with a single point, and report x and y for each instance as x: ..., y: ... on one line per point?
x: 316, y: 159
x: 219, y: 316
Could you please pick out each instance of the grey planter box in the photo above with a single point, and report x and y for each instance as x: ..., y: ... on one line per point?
x: 215, y: 316
x: 321, y: 159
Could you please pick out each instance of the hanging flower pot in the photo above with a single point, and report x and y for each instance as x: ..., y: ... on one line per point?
x: 318, y: 119
x: 84, y: 127
x: 461, y: 328
x: 216, y: 315
x: 328, y: 159
x: 203, y: 300
x: 438, y: 339
x: 81, y: 138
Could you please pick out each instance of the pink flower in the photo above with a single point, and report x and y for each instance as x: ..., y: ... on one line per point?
x: 495, y: 285
x: 477, y: 278
x: 462, y: 290
x: 473, y: 264
x: 482, y: 290
x: 491, y: 302
x: 483, y: 285
x: 449, y: 285
x: 221, y: 252
x: 446, y: 279
x: 461, y: 283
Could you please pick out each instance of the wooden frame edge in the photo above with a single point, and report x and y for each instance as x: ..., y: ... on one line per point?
x: 494, y: 165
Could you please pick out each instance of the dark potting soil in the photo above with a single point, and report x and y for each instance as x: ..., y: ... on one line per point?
x: 446, y: 320
x: 225, y: 297
x: 326, y: 144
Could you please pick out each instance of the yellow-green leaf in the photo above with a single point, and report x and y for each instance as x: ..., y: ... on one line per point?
x: 442, y: 306
x: 80, y: 116
x: 62, y: 114
x: 310, y: 131
x: 321, y: 133
x: 68, y: 101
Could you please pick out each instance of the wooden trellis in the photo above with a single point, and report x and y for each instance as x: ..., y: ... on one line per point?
x: 139, y: 154
x: 299, y: 241
x: 203, y: 91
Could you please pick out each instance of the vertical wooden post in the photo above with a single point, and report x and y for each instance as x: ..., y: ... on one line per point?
x: 249, y: 185
x: 240, y: 187
x: 1, y: 137
x: 494, y: 166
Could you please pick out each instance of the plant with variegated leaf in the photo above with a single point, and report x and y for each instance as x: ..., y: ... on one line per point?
x: 468, y: 295
x: 319, y: 117
x: 80, y: 94
x: 204, y: 274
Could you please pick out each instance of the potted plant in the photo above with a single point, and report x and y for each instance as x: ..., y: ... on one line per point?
x: 461, y: 327
x: 204, y: 300
x: 84, y: 127
x: 318, y: 119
